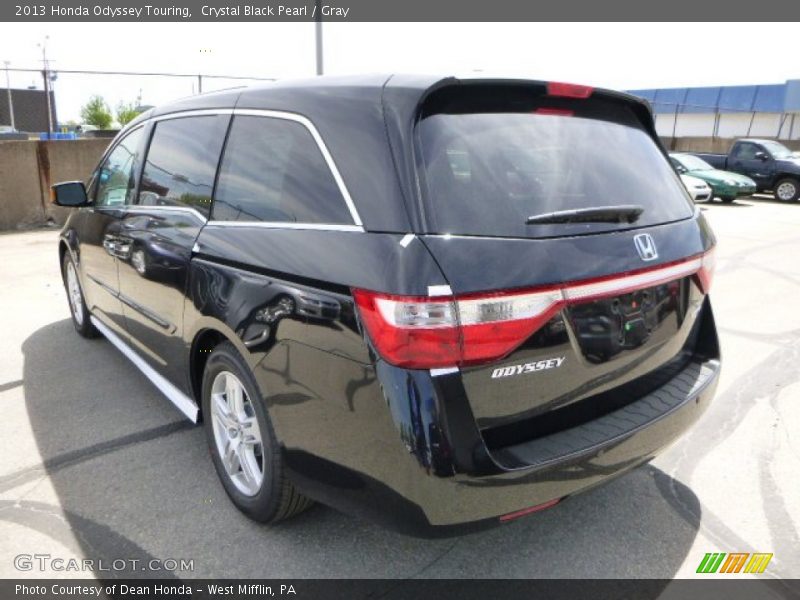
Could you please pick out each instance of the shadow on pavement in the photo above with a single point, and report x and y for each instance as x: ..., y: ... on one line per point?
x: 134, y: 480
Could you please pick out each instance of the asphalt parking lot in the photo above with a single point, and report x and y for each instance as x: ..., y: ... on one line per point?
x: 95, y: 463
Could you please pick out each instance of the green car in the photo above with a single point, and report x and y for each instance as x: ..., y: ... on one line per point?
x: 725, y: 185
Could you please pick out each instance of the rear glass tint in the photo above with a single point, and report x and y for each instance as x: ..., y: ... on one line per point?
x: 489, y: 166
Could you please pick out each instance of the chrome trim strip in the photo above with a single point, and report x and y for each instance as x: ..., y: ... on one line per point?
x: 443, y: 371
x: 322, y: 148
x: 407, y: 239
x: 182, y: 402
x: 439, y: 290
x: 144, y: 208
x: 199, y: 112
x: 288, y: 225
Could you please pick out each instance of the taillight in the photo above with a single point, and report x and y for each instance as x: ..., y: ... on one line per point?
x: 412, y: 332
x: 706, y: 273
x: 569, y: 90
x: 492, y: 326
x: 419, y: 332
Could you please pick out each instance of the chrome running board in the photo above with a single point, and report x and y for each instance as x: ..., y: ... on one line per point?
x: 181, y: 401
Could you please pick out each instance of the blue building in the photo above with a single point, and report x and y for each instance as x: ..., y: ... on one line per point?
x: 727, y: 111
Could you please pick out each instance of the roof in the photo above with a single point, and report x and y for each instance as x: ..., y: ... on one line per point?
x: 356, y: 117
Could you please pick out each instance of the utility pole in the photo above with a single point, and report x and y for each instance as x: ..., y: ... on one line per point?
x: 318, y: 28
x: 10, y: 99
x: 46, y: 75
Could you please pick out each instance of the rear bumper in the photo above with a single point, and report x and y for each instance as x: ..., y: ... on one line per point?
x: 568, y: 462
x: 420, y: 472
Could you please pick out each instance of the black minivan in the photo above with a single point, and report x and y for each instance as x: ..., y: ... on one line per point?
x: 438, y: 303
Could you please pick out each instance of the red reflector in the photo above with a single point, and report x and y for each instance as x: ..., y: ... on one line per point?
x: 558, y: 112
x: 569, y: 90
x: 527, y: 511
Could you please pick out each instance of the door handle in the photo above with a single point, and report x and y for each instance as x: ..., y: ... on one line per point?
x: 116, y: 247
x: 109, y: 245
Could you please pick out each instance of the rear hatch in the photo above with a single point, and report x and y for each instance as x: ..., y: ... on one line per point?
x: 557, y: 308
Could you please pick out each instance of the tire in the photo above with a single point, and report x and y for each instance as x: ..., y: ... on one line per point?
x: 77, y: 304
x: 727, y: 199
x: 787, y: 190
x: 229, y: 420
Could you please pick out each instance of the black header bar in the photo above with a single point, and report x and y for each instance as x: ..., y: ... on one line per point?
x: 226, y: 11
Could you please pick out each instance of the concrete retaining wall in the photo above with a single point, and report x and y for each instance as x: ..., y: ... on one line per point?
x: 27, y: 169
x: 707, y: 144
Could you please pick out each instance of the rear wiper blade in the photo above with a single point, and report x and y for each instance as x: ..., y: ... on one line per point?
x: 623, y: 213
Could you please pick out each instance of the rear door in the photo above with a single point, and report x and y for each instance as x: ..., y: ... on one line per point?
x: 159, y: 231
x: 617, y: 297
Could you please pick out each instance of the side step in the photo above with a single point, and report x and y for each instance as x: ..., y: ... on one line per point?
x: 182, y: 402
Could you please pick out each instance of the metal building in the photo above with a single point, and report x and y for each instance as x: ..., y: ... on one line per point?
x: 30, y: 109
x: 727, y: 111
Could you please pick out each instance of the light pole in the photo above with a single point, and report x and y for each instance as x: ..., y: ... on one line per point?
x: 46, y: 76
x: 10, y: 99
x: 318, y: 31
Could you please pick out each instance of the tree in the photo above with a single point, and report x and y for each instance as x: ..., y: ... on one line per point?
x: 126, y: 112
x: 96, y: 112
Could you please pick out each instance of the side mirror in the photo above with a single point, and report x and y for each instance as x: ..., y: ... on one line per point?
x: 762, y: 156
x: 70, y: 194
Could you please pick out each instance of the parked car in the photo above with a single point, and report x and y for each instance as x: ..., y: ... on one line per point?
x: 441, y: 304
x: 770, y: 164
x: 725, y: 185
x: 698, y: 189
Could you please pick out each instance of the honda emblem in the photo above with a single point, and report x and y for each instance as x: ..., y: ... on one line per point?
x: 645, y: 246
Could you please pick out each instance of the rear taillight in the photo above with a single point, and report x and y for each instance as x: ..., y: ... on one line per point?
x: 706, y: 273
x: 412, y: 332
x: 430, y: 332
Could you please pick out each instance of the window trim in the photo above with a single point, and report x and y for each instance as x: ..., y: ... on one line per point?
x: 357, y: 226
x: 144, y: 144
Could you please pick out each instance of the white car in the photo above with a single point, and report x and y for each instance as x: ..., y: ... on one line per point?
x: 698, y: 189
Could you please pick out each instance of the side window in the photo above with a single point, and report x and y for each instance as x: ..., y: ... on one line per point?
x: 746, y: 151
x: 115, y: 180
x: 182, y: 161
x: 273, y: 171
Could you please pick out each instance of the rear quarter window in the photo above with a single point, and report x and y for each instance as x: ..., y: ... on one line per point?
x: 486, y: 171
x: 273, y: 171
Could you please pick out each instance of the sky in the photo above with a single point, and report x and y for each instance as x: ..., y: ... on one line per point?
x: 614, y: 55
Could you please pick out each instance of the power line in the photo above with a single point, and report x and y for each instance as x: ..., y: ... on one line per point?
x: 144, y: 74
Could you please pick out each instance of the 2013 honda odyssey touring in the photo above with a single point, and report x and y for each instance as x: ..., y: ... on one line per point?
x: 438, y: 303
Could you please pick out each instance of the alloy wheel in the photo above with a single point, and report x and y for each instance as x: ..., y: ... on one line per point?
x: 786, y: 191
x: 74, y: 293
x: 236, y: 433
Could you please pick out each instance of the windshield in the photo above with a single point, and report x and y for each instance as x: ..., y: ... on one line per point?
x: 692, y: 163
x: 777, y: 150
x: 487, y: 173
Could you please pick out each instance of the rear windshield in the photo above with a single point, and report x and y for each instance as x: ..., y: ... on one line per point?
x: 486, y: 172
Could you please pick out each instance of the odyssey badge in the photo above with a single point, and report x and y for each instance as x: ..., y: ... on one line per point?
x: 531, y: 367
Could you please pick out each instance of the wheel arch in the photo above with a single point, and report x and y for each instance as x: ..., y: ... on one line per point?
x: 785, y: 175
x: 203, y: 343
